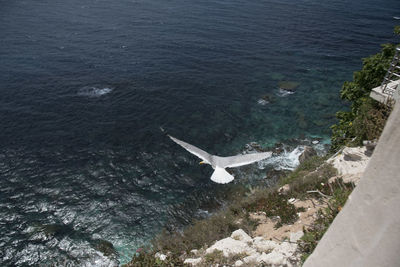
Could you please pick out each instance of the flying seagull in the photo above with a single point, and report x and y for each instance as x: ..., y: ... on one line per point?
x: 219, y: 164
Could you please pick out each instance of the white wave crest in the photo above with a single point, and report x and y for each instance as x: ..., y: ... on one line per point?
x: 287, y: 160
x: 91, y: 91
x: 283, y: 93
x: 262, y: 102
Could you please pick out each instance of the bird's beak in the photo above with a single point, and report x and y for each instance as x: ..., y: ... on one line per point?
x: 202, y: 162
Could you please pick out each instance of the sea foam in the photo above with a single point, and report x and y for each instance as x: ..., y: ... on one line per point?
x: 91, y: 91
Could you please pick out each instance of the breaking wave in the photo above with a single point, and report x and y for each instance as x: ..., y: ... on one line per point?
x: 91, y: 91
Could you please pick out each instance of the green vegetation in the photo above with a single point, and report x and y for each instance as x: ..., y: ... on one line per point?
x: 364, y: 121
x: 146, y: 258
x: 339, y: 193
x: 303, y: 169
x: 217, y: 257
x: 203, y: 233
x: 367, y: 117
x: 275, y: 206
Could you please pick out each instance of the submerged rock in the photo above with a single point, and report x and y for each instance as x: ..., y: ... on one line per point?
x: 288, y: 85
x: 105, y: 247
x: 276, y: 76
x: 301, y: 120
x: 266, y: 99
x: 53, y: 230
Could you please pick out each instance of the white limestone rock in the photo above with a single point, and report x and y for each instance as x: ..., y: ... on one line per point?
x: 263, y: 245
x: 252, y: 258
x: 241, y: 236
x: 239, y: 263
x: 194, y: 251
x: 286, y: 249
x: 284, y: 189
x: 352, y: 160
x: 294, y: 237
x: 192, y: 262
x: 230, y: 246
x: 161, y: 256
x: 273, y: 258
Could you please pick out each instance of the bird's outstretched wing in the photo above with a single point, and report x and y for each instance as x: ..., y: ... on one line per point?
x: 240, y: 160
x: 192, y: 149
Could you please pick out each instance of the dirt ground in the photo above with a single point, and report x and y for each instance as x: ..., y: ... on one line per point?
x: 266, y: 227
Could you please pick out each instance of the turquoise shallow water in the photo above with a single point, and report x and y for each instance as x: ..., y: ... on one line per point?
x: 86, y: 85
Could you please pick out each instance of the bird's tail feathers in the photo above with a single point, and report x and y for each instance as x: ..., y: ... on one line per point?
x: 221, y: 176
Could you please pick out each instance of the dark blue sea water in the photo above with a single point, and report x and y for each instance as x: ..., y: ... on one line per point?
x: 85, y: 86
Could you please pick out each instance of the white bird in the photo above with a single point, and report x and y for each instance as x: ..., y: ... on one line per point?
x: 219, y: 164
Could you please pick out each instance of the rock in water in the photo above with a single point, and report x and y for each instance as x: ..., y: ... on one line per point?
x: 307, y: 153
x: 288, y: 85
x: 105, y: 247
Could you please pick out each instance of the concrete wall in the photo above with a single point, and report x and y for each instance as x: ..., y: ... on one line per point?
x: 367, y: 230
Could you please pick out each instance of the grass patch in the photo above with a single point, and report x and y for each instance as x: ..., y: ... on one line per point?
x: 303, y: 169
x: 312, y: 235
x: 204, y: 232
x: 146, y: 258
x: 275, y: 206
x: 315, y: 180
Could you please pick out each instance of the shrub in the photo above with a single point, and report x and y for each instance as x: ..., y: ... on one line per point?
x: 146, y: 258
x: 358, y: 123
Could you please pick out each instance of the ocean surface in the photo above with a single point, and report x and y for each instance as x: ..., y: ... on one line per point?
x: 86, y: 85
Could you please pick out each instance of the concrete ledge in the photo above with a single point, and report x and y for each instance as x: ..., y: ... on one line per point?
x: 378, y: 95
x: 382, y: 97
x: 367, y: 231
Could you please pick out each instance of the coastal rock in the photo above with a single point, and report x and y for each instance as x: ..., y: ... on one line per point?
x: 284, y: 189
x: 105, y: 247
x: 230, y: 246
x: 351, y: 156
x: 241, y: 236
x: 192, y: 262
x: 273, y: 258
x: 351, y: 160
x: 252, y: 258
x: 239, y: 263
x: 286, y: 249
x: 294, y: 237
x: 279, y: 148
x: 263, y: 245
x: 194, y: 251
x: 307, y: 153
x: 347, y: 178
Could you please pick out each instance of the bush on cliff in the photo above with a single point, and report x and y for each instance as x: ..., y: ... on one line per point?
x: 367, y: 117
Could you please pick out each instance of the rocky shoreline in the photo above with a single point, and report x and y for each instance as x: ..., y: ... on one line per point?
x: 273, y: 243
